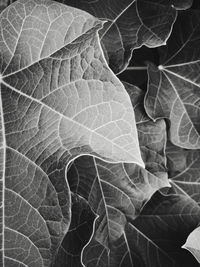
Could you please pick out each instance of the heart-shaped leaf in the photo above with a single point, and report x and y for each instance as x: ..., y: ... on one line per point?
x: 59, y: 100
x: 173, y: 89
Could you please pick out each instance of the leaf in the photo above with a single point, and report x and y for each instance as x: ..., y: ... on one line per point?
x: 184, y: 172
x: 59, y: 86
x: 59, y: 100
x: 173, y: 89
x: 116, y: 193
x: 166, y: 220
x: 130, y: 25
x: 182, y: 4
x: 143, y: 252
x: 152, y: 135
x: 78, y: 235
x: 193, y: 244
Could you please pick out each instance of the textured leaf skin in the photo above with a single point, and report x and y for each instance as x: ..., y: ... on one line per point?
x: 183, y: 168
x: 173, y: 88
x: 77, y: 68
x: 130, y: 25
x: 59, y: 100
x: 152, y: 135
x: 151, y: 256
x: 116, y: 193
x: 80, y: 231
x: 192, y: 243
x: 166, y: 220
x: 85, y: 181
x: 184, y: 173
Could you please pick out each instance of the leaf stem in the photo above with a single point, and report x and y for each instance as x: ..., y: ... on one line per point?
x: 137, y: 68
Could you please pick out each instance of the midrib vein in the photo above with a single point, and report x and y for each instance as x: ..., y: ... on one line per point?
x: 69, y: 119
x: 3, y: 176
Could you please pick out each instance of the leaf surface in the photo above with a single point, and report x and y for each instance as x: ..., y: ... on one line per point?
x: 151, y: 256
x: 152, y: 135
x: 184, y: 172
x: 59, y: 100
x: 173, y: 88
x: 193, y: 244
x: 167, y: 220
x: 78, y: 235
x: 117, y: 183
x: 116, y: 193
x: 131, y: 24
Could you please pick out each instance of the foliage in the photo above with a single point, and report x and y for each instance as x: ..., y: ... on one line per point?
x: 96, y: 170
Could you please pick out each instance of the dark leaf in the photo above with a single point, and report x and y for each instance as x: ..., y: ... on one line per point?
x: 173, y: 91
x: 79, y: 233
x: 130, y: 25
x: 140, y: 251
x: 184, y: 171
x: 167, y: 220
x: 116, y: 193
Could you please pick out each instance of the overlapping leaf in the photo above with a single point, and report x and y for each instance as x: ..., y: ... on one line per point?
x: 123, y: 189
x: 184, y: 171
x: 173, y: 90
x: 184, y: 176
x: 152, y: 135
x: 143, y: 252
x: 78, y: 235
x: 193, y: 244
x: 116, y: 193
x: 59, y: 100
x: 159, y: 222
x: 131, y: 24
x: 166, y: 221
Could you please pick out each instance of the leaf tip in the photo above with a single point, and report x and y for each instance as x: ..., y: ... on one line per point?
x: 184, y: 247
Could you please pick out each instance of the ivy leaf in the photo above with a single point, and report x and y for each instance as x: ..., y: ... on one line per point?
x: 131, y: 24
x: 184, y: 172
x: 173, y: 88
x: 167, y: 220
x: 192, y: 243
x: 59, y: 100
x: 116, y: 193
